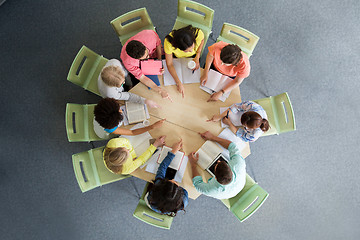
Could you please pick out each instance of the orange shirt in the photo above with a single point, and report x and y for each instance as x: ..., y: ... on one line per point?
x: 242, y: 69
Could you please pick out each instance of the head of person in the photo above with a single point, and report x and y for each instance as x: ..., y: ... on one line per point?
x: 231, y: 54
x: 115, y: 157
x: 183, y: 38
x: 108, y: 113
x: 223, y: 173
x: 253, y: 120
x: 167, y: 196
x: 113, y: 76
x: 137, y: 50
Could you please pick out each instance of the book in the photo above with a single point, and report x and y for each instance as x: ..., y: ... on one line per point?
x: 235, y: 118
x: 216, y: 81
x: 185, y: 74
x: 135, y: 112
x: 208, y: 153
x: 176, y: 162
x: 229, y: 135
x: 139, y: 142
x: 151, y: 67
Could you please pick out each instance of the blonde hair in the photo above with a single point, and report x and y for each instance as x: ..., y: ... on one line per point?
x: 113, y: 76
x: 115, y: 158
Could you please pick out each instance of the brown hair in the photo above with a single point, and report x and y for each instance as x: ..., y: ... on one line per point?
x: 231, y: 54
x: 113, y: 76
x: 253, y: 120
x: 115, y: 158
x: 223, y: 173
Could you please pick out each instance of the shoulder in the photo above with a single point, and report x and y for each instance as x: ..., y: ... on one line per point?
x: 200, y: 34
x: 118, y: 142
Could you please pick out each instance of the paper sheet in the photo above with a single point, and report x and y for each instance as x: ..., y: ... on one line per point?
x: 234, y: 118
x: 184, y: 73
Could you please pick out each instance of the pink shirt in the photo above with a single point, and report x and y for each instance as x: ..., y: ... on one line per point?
x: 150, y: 40
x: 242, y: 69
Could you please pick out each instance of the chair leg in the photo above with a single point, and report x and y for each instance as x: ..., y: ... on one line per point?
x: 133, y: 183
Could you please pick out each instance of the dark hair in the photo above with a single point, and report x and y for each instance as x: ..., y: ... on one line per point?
x: 107, y: 113
x: 167, y: 197
x: 253, y: 120
x: 223, y: 173
x: 135, y: 49
x: 183, y: 38
x: 231, y: 54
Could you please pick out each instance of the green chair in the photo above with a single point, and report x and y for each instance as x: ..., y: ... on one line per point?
x: 86, y: 68
x: 90, y: 170
x: 247, y: 201
x: 233, y: 34
x: 280, y: 113
x: 145, y: 214
x: 79, y: 123
x: 129, y: 24
x: 195, y: 14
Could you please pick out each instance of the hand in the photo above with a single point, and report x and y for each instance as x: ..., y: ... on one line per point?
x: 162, y: 70
x: 181, y: 89
x: 196, y: 60
x: 215, y: 96
x: 204, y: 78
x: 207, y: 135
x: 164, y: 94
x: 160, y: 141
x: 193, y: 158
x: 157, y: 124
x: 214, y: 118
x: 177, y: 146
x: 226, y: 120
x: 152, y: 104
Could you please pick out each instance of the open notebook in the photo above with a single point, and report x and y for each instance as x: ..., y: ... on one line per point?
x: 235, y: 118
x: 135, y: 112
x: 139, y: 142
x: 209, y: 154
x: 125, y: 120
x: 176, y: 162
x: 216, y: 81
x: 184, y: 73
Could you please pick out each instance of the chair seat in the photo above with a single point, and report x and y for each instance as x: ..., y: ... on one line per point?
x: 124, y: 38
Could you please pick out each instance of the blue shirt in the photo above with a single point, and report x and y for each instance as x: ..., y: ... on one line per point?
x: 160, y: 174
x: 248, y: 135
x: 110, y: 130
x: 216, y: 190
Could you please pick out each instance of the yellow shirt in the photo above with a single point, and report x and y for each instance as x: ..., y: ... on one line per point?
x: 169, y: 49
x: 132, y: 163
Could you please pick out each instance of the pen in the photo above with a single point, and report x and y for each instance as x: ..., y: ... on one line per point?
x: 227, y: 114
x: 193, y: 71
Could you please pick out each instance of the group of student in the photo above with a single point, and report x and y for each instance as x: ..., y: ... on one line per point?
x: 116, y: 78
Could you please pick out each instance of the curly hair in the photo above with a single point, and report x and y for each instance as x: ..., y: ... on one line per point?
x: 167, y: 197
x: 231, y: 54
x: 107, y: 113
x: 253, y: 120
x: 113, y: 76
x: 135, y: 49
x: 183, y: 38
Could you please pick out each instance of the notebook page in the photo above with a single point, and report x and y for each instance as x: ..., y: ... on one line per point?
x: 168, y: 79
x: 135, y: 112
x: 187, y: 74
x: 175, y: 163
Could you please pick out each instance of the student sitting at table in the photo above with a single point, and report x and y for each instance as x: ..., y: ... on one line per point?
x: 111, y: 83
x: 144, y: 45
x: 229, y: 177
x: 185, y: 42
x: 119, y: 155
x: 229, y: 60
x: 109, y: 116
x: 165, y: 195
x: 252, y: 117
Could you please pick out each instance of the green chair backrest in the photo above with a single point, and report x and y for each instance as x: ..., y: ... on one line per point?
x: 195, y: 14
x: 280, y: 113
x: 85, y: 69
x: 145, y: 214
x: 247, y: 201
x: 233, y: 34
x: 79, y: 123
x: 129, y: 24
x: 90, y: 170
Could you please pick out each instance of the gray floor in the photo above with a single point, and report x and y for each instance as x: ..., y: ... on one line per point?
x: 308, y: 48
